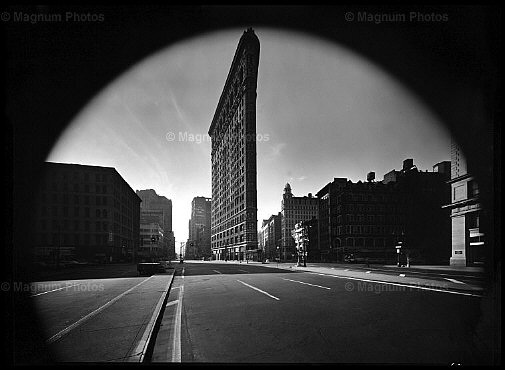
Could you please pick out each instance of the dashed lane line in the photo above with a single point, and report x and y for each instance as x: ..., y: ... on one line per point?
x: 176, y: 346
x: 259, y: 290
x: 399, y: 284
x: 454, y: 281
x: 301, y: 282
x: 54, y: 290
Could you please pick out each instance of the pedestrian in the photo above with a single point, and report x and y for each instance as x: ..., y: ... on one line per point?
x: 367, y: 262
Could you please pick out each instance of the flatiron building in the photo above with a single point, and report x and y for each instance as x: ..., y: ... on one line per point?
x: 233, y: 156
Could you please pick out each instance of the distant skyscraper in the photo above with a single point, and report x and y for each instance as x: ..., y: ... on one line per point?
x: 270, y: 236
x: 153, y: 201
x: 198, y: 244
x: 157, y: 208
x: 233, y: 133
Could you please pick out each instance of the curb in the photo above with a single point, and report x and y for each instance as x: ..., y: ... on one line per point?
x: 143, y: 350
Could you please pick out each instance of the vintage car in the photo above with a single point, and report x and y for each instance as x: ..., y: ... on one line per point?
x: 149, y: 268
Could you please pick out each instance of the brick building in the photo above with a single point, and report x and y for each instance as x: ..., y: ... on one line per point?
x: 87, y: 213
x: 363, y: 219
x: 367, y: 219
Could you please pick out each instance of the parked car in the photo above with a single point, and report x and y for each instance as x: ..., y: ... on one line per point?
x: 166, y: 264
x: 149, y: 268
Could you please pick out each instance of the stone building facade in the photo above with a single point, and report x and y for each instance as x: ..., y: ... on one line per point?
x: 233, y: 156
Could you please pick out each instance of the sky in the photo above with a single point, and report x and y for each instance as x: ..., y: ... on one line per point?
x: 323, y: 111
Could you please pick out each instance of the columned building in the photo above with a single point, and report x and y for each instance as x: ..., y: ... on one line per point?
x: 87, y: 213
x: 294, y: 210
x: 468, y: 241
x: 233, y: 156
x: 198, y: 244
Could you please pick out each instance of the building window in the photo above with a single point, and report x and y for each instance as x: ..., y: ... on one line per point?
x: 459, y: 193
x: 473, y: 189
x: 473, y: 220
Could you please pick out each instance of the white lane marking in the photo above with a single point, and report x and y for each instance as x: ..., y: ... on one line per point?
x: 346, y: 270
x: 455, y: 281
x: 172, y: 303
x: 259, y: 290
x: 65, y: 331
x: 402, y: 275
x: 333, y: 268
x: 404, y: 285
x: 368, y: 272
x: 216, y: 271
x: 54, y: 290
x: 301, y: 282
x: 243, y: 270
x: 176, y: 346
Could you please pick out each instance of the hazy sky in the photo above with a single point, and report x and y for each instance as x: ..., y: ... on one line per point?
x: 322, y: 112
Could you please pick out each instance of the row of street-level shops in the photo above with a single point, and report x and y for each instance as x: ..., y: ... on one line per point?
x: 237, y: 253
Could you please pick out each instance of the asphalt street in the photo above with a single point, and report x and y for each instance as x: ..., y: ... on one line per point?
x: 253, y: 313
